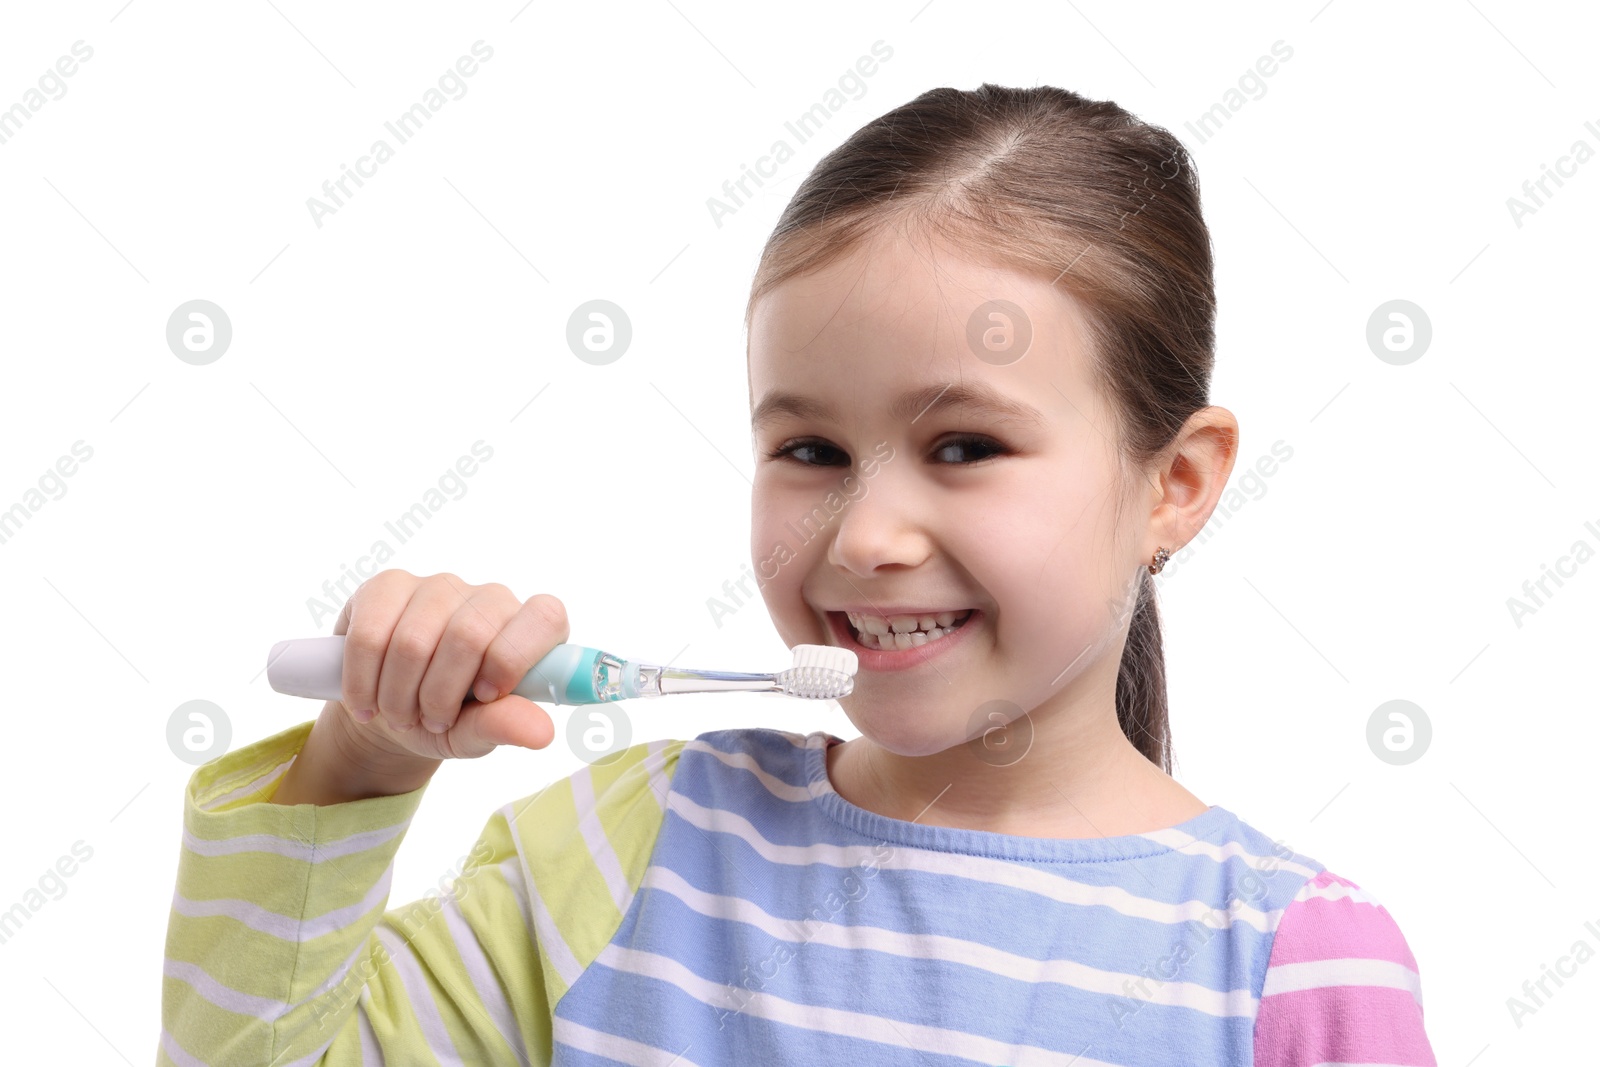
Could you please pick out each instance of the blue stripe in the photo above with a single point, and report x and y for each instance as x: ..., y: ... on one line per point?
x: 659, y: 1014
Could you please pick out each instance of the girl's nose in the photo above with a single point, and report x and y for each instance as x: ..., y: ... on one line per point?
x: 881, y: 527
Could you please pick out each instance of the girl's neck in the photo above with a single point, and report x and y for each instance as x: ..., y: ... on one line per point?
x: 1089, y: 782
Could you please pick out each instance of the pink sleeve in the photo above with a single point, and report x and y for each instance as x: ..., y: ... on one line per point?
x: 1341, y: 984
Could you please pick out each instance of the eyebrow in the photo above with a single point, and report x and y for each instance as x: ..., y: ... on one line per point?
x: 911, y: 405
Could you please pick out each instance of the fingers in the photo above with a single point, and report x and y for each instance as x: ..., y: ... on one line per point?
x: 523, y: 640
x: 488, y: 645
x: 415, y: 648
x: 414, y: 644
x: 457, y: 662
x: 511, y: 720
x: 367, y: 621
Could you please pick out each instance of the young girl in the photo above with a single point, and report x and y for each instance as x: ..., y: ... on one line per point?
x: 980, y: 342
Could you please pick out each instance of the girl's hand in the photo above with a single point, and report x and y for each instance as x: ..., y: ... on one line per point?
x: 414, y: 648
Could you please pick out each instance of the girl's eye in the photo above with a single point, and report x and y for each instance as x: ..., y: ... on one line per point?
x: 966, y: 442
x: 793, y: 449
x: 983, y: 445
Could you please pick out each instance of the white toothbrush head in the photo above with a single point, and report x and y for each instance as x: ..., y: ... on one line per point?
x: 820, y: 672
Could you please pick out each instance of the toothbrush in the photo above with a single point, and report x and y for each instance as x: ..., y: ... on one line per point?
x: 577, y: 674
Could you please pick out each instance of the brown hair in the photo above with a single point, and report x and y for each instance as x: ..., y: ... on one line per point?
x: 1050, y: 183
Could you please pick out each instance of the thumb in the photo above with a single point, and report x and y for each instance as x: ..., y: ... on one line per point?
x: 511, y: 720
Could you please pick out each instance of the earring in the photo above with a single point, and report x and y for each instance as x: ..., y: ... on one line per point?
x: 1161, y: 557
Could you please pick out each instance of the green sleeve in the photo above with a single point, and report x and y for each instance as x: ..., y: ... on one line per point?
x: 279, y: 949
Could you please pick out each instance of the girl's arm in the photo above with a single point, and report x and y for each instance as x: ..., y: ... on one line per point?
x: 1341, y: 986
x: 280, y: 951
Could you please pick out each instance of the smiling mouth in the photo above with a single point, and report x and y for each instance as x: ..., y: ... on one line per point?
x: 901, y: 632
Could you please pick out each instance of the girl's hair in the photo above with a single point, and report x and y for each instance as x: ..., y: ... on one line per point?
x: 1078, y: 191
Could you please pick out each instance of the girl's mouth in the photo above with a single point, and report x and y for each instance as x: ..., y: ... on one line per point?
x: 901, y: 641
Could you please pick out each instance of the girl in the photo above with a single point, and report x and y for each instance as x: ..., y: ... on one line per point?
x: 987, y: 321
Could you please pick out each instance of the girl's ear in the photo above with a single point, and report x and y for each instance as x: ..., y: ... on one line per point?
x: 1190, y: 482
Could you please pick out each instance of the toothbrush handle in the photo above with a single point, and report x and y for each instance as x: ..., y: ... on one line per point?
x: 314, y: 667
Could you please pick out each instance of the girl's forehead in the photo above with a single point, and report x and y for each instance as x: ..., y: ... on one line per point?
x: 883, y: 325
x: 890, y: 292
x: 881, y: 281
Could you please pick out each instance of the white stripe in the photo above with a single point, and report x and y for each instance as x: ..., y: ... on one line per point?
x: 371, y: 1053
x: 659, y: 753
x: 972, y: 868
x: 260, y: 783
x: 482, y: 974
x: 1194, y: 846
x: 612, y: 1047
x: 511, y: 871
x: 1335, y: 891
x: 594, y: 835
x: 1238, y: 1002
x: 542, y: 929
x: 291, y: 928
x: 745, y: 762
x: 404, y: 960
x: 653, y: 764
x: 1174, y: 839
x: 838, y: 1021
x: 225, y: 997
x: 314, y: 1058
x: 541, y: 923
x: 336, y: 979
x: 176, y: 1052
x: 296, y: 849
x: 1349, y: 971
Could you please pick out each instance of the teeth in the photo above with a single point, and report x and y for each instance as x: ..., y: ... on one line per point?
x: 904, y: 631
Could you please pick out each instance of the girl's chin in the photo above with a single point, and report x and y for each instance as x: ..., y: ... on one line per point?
x: 904, y: 734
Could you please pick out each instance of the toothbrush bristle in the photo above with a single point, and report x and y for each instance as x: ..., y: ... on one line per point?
x: 820, y: 672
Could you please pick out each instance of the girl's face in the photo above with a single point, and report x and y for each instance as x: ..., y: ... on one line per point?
x: 892, y: 500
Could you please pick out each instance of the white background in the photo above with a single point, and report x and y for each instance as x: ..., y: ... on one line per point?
x: 430, y: 312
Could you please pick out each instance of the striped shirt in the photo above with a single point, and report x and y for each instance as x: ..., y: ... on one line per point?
x: 715, y: 901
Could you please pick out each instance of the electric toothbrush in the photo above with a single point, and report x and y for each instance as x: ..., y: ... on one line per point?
x: 576, y: 674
